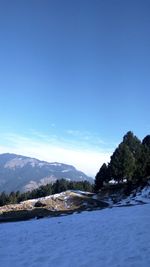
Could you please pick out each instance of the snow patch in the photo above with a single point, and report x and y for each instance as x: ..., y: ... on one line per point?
x: 65, y: 170
x: 55, y: 164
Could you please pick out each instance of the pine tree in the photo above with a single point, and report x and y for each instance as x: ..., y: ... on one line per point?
x: 146, y: 141
x: 130, y: 160
x: 12, y: 198
x: 101, y: 177
x: 143, y: 163
x: 122, y: 164
x: 146, y: 152
x: 4, y: 199
x: 134, y: 144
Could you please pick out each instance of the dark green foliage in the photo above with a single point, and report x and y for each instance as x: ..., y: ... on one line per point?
x: 143, y: 163
x: 60, y: 186
x: 133, y: 143
x: 63, y: 185
x: 3, y: 199
x: 42, y: 191
x: 12, y: 198
x: 146, y: 141
x: 124, y: 161
x: 101, y: 177
x: 130, y: 161
x: 122, y: 164
x: 146, y: 152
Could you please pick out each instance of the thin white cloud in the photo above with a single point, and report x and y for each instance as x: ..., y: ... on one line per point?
x: 51, y: 149
x: 73, y: 132
x: 92, y: 139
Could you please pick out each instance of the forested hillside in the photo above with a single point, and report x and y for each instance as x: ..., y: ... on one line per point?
x: 44, y: 190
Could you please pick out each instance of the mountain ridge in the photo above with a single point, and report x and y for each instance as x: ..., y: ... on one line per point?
x: 18, y: 172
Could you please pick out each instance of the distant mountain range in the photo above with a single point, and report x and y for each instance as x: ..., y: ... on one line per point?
x: 25, y: 174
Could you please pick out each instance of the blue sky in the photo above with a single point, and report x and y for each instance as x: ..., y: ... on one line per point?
x: 74, y: 77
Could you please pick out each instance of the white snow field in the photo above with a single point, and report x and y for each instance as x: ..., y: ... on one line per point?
x: 117, y: 237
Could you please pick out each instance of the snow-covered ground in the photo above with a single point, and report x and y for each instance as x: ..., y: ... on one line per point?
x: 139, y: 196
x: 116, y: 237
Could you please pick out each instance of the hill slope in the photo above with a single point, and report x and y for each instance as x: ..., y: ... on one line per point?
x: 24, y: 173
x: 110, y: 237
x: 70, y: 201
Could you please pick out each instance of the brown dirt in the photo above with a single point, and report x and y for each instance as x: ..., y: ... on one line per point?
x: 55, y: 205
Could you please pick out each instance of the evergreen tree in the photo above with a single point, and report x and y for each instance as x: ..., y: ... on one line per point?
x: 12, y: 198
x: 143, y: 164
x: 146, y: 141
x: 130, y: 160
x: 4, y: 199
x: 146, y: 149
x: 133, y: 143
x: 122, y: 164
x: 101, y: 177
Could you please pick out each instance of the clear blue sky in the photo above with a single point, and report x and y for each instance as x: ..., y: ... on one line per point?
x: 73, y: 71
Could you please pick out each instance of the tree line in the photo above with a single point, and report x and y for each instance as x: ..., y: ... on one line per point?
x: 130, y: 161
x: 43, y: 191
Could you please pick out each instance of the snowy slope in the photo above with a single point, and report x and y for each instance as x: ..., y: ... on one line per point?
x: 138, y: 196
x: 116, y: 237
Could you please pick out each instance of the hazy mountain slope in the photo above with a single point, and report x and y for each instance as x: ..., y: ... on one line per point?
x: 110, y: 237
x: 24, y: 173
